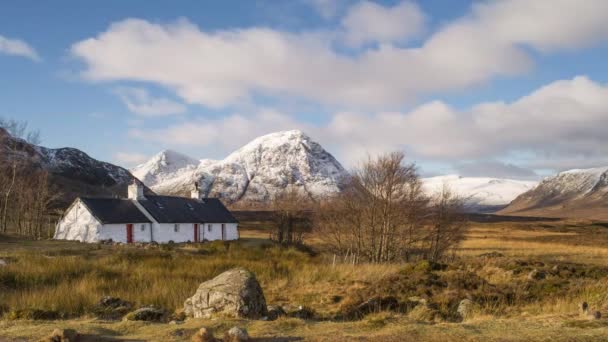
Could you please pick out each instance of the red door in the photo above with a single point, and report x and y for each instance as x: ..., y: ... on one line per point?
x: 129, y: 233
x: 196, y: 237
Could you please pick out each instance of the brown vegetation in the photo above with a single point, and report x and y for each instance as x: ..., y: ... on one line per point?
x: 26, y: 196
x: 383, y: 215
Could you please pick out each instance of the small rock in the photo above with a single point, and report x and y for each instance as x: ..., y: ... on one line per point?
x: 274, y: 312
x: 3, y: 263
x: 112, y: 308
x: 583, y: 308
x: 585, y: 312
x: 464, y: 308
x: 62, y: 335
x: 149, y: 314
x: 594, y: 315
x: 112, y: 302
x: 537, y: 275
x: 236, y: 334
x: 203, y: 335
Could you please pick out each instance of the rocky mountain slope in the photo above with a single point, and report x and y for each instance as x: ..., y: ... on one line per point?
x: 255, y: 172
x: 574, y: 193
x: 71, y: 172
x: 481, y: 194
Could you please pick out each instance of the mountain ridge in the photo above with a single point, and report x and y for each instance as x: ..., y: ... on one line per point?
x: 256, y: 171
x: 581, y: 193
x: 71, y: 171
x: 256, y: 163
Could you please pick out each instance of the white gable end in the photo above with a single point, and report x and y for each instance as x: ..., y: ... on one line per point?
x: 78, y: 224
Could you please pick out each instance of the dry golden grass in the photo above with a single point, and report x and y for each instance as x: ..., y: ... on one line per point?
x: 71, y: 277
x: 561, y: 241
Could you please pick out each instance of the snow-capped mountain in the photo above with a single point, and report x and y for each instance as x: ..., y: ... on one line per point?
x: 255, y: 172
x: 164, y: 166
x: 480, y: 193
x: 569, y: 193
x: 72, y: 172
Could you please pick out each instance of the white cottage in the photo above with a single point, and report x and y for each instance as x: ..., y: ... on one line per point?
x: 140, y: 218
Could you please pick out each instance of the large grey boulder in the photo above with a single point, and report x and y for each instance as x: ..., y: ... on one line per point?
x: 234, y: 293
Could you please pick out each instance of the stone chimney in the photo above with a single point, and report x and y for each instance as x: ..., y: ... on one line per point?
x: 136, y: 191
x: 196, y: 192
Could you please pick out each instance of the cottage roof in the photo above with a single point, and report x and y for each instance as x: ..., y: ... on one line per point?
x: 168, y: 209
x: 114, y: 210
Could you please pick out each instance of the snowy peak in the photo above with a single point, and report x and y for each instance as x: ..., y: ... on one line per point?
x: 480, y: 192
x: 283, y: 151
x: 166, y: 164
x: 571, y: 190
x: 254, y: 172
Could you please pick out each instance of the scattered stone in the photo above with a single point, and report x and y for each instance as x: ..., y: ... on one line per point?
x: 112, y: 308
x: 234, y: 293
x: 465, y: 308
x: 274, y: 312
x: 203, y: 335
x: 302, y: 312
x: 537, y: 275
x: 148, y: 314
x: 62, y: 335
x: 236, y: 334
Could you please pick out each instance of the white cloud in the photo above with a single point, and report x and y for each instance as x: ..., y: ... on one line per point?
x: 226, y: 133
x: 18, y: 47
x: 221, y: 68
x: 554, y: 127
x: 368, y: 22
x: 129, y: 159
x: 140, y: 102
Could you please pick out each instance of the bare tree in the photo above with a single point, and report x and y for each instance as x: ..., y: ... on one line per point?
x: 384, y: 215
x: 376, y: 217
x: 26, y: 196
x: 448, y: 223
x: 288, y: 207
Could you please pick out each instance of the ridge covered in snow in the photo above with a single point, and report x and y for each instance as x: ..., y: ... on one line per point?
x: 577, y: 192
x: 479, y: 192
x: 255, y: 172
x: 71, y: 171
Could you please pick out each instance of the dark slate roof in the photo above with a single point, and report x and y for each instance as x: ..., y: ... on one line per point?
x: 114, y: 210
x: 168, y: 209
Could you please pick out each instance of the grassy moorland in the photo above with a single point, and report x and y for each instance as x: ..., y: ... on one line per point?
x: 55, y: 284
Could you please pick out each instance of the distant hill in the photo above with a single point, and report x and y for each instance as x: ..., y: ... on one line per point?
x: 579, y: 193
x: 71, y: 172
x: 481, y: 194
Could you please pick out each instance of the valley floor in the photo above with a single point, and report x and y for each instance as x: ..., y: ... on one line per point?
x: 68, y: 278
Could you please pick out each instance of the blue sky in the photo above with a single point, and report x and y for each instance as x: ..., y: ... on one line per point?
x: 511, y: 88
